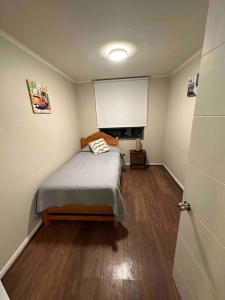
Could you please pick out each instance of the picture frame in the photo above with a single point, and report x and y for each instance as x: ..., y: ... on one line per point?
x: 193, y: 85
x: 39, y: 97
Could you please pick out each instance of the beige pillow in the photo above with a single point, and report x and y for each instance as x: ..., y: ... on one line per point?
x: 99, y: 146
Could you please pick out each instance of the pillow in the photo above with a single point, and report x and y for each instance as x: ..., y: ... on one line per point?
x: 99, y: 146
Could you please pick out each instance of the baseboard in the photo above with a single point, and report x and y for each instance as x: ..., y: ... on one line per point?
x: 150, y: 164
x: 3, y: 294
x: 174, y: 177
x: 19, y: 250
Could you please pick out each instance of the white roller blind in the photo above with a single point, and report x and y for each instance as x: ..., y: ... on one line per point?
x: 121, y: 102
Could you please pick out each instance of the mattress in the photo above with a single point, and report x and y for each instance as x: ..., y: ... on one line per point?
x: 85, y: 179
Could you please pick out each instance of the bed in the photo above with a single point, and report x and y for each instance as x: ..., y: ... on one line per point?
x: 87, y: 187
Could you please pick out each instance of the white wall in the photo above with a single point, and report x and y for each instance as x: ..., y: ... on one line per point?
x: 158, y: 96
x: 32, y: 145
x: 179, y: 120
x: 157, y: 104
x: 86, y: 108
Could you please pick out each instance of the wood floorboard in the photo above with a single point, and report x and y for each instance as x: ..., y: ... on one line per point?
x: 90, y: 260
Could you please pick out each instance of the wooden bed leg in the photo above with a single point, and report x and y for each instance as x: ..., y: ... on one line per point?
x: 115, y: 223
x: 44, y: 215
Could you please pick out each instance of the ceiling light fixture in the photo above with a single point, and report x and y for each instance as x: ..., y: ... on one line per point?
x: 118, y: 54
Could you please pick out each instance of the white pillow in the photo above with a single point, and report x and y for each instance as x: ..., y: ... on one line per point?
x: 99, y: 146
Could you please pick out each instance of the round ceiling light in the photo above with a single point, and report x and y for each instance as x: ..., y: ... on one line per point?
x: 118, y: 54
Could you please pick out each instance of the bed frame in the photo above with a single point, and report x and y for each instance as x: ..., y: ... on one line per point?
x: 77, y: 212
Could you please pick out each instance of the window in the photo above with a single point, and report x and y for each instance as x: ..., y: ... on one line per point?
x: 128, y: 133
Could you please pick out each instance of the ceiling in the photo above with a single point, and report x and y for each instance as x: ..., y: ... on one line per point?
x: 74, y: 35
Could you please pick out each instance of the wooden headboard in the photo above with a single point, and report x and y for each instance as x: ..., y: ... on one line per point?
x: 98, y: 135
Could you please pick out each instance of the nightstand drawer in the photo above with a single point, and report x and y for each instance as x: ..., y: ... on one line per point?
x: 138, y: 154
x: 137, y: 160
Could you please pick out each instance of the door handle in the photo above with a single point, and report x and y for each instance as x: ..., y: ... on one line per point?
x: 184, y: 206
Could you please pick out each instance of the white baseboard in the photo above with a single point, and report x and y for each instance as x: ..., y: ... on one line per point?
x: 150, y: 164
x: 19, y: 250
x: 3, y: 294
x: 174, y: 177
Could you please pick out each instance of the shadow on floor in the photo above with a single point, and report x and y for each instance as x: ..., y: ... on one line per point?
x: 83, y: 234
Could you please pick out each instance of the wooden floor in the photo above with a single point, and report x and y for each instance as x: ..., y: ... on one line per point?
x: 90, y: 260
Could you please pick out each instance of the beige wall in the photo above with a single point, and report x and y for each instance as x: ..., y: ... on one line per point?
x: 179, y: 121
x: 157, y: 109
x: 32, y: 145
x: 86, y: 108
x: 157, y: 103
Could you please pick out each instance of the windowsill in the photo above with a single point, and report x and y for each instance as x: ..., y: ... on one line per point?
x: 130, y: 139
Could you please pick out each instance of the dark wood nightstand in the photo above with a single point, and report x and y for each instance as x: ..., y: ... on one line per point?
x: 137, y: 159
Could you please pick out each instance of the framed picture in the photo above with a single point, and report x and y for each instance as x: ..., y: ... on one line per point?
x: 193, y: 85
x: 39, y: 97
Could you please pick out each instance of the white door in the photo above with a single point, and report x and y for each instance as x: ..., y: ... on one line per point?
x: 199, y: 264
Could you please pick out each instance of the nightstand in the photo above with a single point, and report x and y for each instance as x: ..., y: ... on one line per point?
x: 137, y: 159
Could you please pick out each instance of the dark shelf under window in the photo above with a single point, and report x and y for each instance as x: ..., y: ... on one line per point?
x: 128, y: 133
